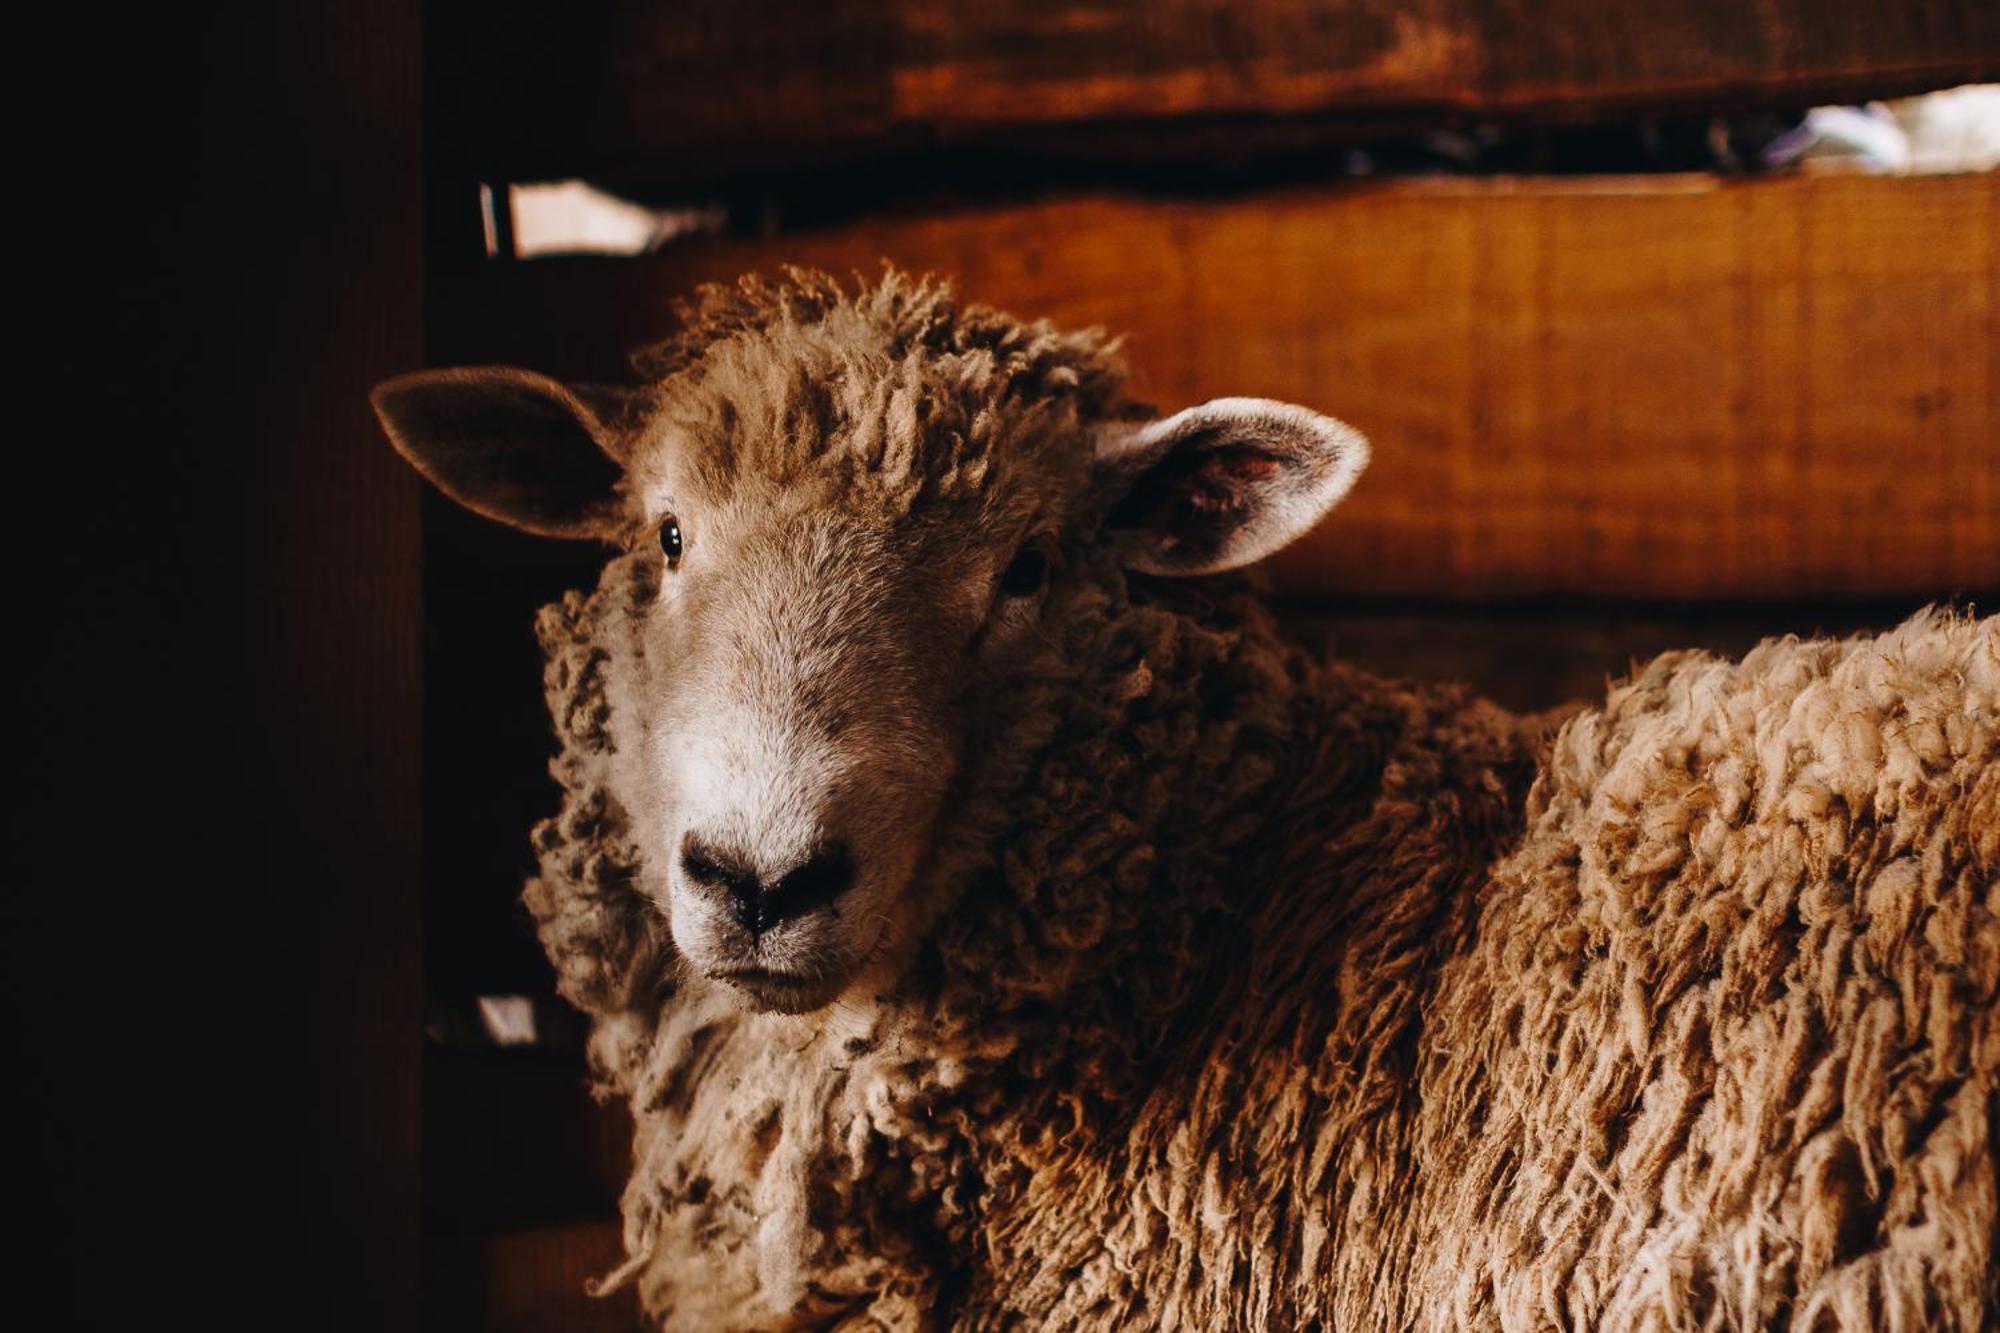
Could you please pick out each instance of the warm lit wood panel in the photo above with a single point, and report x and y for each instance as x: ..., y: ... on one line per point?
x: 708, y: 89
x: 1020, y: 60
x: 1657, y: 387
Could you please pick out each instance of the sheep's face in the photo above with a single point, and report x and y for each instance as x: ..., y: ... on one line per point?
x: 798, y: 687
x: 847, y: 554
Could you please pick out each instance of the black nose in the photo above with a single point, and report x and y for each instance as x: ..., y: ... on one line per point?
x: 756, y: 905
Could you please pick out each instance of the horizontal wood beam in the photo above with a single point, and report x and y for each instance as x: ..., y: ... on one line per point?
x: 711, y: 89
x: 1660, y: 387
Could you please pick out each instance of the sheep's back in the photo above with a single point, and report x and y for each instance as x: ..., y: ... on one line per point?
x: 1724, y: 1052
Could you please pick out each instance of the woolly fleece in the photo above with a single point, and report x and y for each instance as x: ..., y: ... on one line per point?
x: 1274, y: 995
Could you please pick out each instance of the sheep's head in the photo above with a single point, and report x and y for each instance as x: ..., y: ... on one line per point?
x: 855, y: 514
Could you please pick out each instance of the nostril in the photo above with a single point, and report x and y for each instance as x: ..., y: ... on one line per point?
x: 825, y: 875
x: 717, y: 869
x: 756, y: 906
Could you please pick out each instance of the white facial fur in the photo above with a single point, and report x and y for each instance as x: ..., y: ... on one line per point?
x: 797, y: 686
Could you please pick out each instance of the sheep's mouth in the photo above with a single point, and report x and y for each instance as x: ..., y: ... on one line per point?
x: 781, y: 992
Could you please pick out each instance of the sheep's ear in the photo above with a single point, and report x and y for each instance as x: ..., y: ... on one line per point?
x: 1225, y: 483
x: 513, y: 445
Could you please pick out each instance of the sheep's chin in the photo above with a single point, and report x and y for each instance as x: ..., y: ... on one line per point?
x: 796, y: 975
x: 777, y: 994
x: 804, y: 965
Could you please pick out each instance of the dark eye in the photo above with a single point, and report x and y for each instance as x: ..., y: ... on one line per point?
x: 670, y: 539
x: 1026, y: 574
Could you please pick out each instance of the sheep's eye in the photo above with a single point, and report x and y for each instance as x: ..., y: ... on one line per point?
x: 1026, y: 574
x: 670, y: 539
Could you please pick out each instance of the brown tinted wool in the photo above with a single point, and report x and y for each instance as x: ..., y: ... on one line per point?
x: 896, y: 395
x: 1258, y: 992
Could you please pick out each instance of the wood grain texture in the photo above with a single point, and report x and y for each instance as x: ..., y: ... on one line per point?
x: 1658, y: 387
x: 717, y: 87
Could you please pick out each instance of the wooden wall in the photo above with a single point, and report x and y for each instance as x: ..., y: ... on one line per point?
x: 689, y: 94
x: 1647, y: 387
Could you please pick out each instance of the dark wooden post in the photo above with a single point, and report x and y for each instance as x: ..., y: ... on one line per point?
x: 328, y: 299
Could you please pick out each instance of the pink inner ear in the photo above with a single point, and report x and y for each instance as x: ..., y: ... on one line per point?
x: 1243, y: 463
x: 1210, y: 491
x: 1194, y: 506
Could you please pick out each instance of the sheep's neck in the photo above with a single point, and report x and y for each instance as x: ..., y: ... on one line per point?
x: 1208, y: 898
x: 1144, y: 834
x: 1316, y: 860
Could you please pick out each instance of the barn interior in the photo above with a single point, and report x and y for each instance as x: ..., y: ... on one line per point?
x: 1673, y: 326
x: 1643, y: 371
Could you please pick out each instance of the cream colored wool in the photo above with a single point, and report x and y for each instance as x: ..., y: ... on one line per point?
x: 1267, y: 994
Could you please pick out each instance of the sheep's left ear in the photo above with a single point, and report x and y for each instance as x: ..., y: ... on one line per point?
x: 1225, y: 483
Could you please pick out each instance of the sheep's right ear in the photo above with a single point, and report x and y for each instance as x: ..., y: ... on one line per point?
x: 512, y: 445
x: 1225, y: 483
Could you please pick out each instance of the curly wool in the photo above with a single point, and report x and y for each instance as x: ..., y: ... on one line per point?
x: 1725, y: 1042
x: 1263, y: 993
x: 1715, y: 1046
x: 905, y: 398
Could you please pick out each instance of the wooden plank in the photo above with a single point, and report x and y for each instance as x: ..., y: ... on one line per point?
x: 1018, y: 61
x: 1659, y: 387
x: 710, y: 89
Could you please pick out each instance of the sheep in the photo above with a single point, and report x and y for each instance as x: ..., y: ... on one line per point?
x: 994, y: 919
